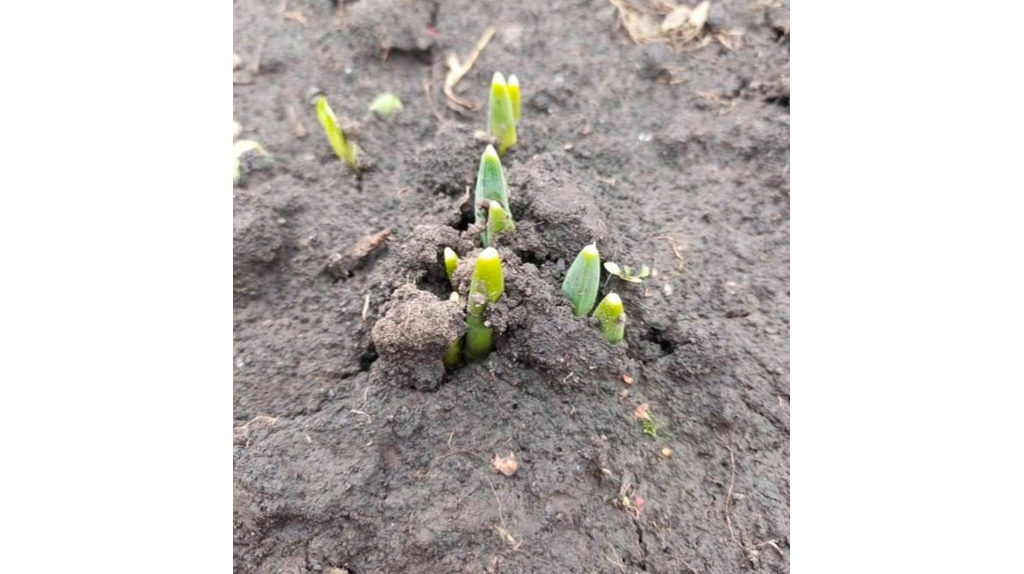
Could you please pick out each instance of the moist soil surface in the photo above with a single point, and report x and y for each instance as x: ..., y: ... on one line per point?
x: 355, y: 450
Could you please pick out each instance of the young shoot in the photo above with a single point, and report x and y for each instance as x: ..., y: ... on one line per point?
x: 344, y: 150
x: 497, y: 221
x: 451, y: 261
x: 490, y: 186
x: 513, y: 94
x: 486, y: 287
x: 613, y: 320
x: 386, y: 104
x: 625, y: 273
x: 451, y: 357
x: 581, y: 282
x: 501, y: 120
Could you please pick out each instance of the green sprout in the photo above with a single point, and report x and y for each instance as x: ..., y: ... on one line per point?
x: 451, y: 261
x: 500, y: 117
x: 386, y: 104
x: 649, y: 428
x: 613, y: 319
x: 513, y: 94
x: 582, y: 280
x: 242, y: 147
x: 329, y: 121
x: 487, y: 286
x: 497, y: 221
x: 451, y: 357
x: 625, y: 273
x: 490, y: 186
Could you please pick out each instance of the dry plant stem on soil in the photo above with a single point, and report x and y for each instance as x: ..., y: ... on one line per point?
x: 581, y: 282
x: 487, y: 286
x: 501, y: 120
x: 458, y: 70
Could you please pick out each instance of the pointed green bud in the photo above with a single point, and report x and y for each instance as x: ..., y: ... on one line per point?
x: 451, y: 261
x: 386, y: 104
x: 451, y: 357
x: 500, y: 118
x: 332, y: 128
x: 582, y: 280
x: 488, y: 282
x: 513, y: 94
x: 486, y: 287
x: 490, y: 185
x: 497, y: 221
x: 613, y: 320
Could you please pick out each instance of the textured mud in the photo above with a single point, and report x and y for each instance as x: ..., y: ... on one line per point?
x: 674, y: 159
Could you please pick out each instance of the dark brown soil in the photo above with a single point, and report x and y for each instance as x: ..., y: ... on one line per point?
x: 354, y: 451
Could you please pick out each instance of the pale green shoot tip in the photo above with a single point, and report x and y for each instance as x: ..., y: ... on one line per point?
x: 513, y: 94
x: 582, y: 280
x: 612, y: 318
x: 451, y: 261
x: 500, y: 117
x: 386, y: 104
x: 329, y: 121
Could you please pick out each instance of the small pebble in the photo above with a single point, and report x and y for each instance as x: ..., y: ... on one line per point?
x: 666, y: 452
x: 238, y: 61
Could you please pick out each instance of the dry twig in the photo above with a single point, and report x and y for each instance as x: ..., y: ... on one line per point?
x: 458, y: 70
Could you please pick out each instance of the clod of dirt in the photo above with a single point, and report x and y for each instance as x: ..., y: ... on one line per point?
x: 393, y: 25
x: 341, y: 265
x: 553, y: 225
x: 507, y: 464
x: 257, y: 242
x: 412, y: 337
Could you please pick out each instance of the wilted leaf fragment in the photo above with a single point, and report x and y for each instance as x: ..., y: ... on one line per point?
x: 581, y: 282
x: 507, y: 465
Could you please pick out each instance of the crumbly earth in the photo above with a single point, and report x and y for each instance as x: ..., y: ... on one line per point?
x: 678, y: 159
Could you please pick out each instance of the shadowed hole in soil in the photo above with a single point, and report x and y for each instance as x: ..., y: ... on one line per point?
x: 656, y: 336
x: 367, y: 358
x: 781, y: 101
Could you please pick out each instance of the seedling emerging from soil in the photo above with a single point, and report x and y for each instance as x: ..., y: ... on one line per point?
x: 513, y: 94
x: 451, y: 261
x: 497, y: 221
x: 386, y: 104
x: 500, y: 117
x: 329, y: 121
x: 582, y: 280
x: 242, y: 147
x: 451, y: 358
x: 625, y: 273
x: 490, y: 186
x: 486, y: 287
x: 613, y: 320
